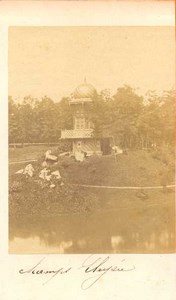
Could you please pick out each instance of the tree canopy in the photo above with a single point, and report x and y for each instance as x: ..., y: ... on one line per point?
x: 132, y: 120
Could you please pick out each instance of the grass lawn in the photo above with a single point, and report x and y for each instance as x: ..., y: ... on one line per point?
x: 29, y: 152
x: 137, y: 168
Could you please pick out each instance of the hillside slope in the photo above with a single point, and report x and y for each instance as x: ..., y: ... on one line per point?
x: 137, y: 168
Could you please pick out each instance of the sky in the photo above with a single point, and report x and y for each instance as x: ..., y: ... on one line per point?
x: 53, y: 61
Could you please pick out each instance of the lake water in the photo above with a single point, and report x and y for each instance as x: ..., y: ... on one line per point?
x: 104, y: 231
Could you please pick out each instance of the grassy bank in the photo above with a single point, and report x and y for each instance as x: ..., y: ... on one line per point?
x: 137, y: 168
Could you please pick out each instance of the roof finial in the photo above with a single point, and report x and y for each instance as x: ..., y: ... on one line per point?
x: 85, y: 80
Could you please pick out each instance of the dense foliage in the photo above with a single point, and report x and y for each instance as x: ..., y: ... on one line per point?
x: 132, y: 120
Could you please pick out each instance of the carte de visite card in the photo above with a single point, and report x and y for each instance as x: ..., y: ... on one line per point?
x: 87, y: 150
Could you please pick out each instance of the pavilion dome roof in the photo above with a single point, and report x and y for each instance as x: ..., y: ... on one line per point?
x: 84, y: 90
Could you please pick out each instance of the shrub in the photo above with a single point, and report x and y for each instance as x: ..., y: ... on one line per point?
x: 36, y: 197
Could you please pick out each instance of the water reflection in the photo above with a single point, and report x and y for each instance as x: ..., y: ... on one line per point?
x: 101, y: 232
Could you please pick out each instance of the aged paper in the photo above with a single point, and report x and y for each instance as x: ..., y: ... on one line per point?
x: 88, y: 178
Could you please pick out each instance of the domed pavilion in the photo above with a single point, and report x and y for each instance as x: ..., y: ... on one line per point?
x: 82, y: 133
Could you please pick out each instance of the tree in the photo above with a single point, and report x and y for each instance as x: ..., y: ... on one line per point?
x: 126, y: 108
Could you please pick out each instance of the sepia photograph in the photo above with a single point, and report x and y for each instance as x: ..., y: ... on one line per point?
x: 91, y: 139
